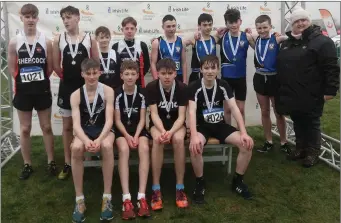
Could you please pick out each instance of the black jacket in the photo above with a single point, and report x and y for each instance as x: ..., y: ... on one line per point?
x: 307, y: 70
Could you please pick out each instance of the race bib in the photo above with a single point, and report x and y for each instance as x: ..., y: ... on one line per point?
x: 29, y: 74
x: 177, y: 63
x: 215, y: 116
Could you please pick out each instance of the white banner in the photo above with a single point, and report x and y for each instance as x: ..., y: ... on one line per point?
x: 149, y: 18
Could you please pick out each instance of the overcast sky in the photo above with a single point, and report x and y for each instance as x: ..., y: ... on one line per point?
x: 333, y: 7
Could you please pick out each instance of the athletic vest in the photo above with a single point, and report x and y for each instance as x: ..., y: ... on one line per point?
x: 229, y: 67
x: 31, y: 76
x: 72, y: 73
x: 269, y: 63
x: 199, y: 52
x: 109, y: 78
x: 99, y: 115
x: 164, y: 52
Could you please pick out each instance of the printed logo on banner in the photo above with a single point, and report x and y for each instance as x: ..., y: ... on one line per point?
x: 178, y: 29
x: 207, y: 9
x: 86, y: 15
x: 241, y: 8
x: 178, y: 10
x: 148, y: 14
x: 264, y: 10
x: 52, y: 12
x: 55, y: 33
x: 117, y: 31
x: 142, y: 30
x: 119, y: 12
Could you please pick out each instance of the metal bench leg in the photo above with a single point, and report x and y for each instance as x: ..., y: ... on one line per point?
x: 224, y: 155
x: 229, y: 165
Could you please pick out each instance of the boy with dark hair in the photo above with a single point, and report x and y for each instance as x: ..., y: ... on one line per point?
x: 69, y: 50
x: 265, y: 80
x: 30, y: 64
x: 169, y: 46
x: 167, y: 100
x: 92, y: 115
x: 206, y: 119
x: 130, y: 119
x: 234, y: 46
x: 109, y: 58
x: 131, y: 48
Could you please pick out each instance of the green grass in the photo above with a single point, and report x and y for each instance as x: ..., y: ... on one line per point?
x: 284, y: 191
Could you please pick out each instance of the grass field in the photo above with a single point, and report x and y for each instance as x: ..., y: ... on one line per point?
x: 284, y: 191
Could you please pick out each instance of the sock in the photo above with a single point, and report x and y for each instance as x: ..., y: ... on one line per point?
x: 156, y: 187
x: 180, y: 186
x: 270, y: 141
x: 80, y: 198
x: 126, y: 196
x: 282, y: 143
x: 238, y: 177
x: 200, y: 180
x: 107, y: 196
x: 140, y: 196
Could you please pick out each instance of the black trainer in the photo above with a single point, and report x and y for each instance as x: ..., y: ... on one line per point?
x: 285, y: 148
x: 52, y: 168
x: 266, y: 147
x: 199, y: 192
x: 26, y: 172
x: 241, y: 189
x: 312, y: 157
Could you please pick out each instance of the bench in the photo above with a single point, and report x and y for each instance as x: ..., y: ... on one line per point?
x: 213, y: 152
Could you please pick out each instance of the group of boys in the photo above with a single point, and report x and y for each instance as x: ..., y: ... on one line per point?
x: 103, y: 99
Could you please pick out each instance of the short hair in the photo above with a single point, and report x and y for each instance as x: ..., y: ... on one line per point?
x: 263, y: 18
x: 29, y: 9
x: 129, y: 20
x: 204, y: 17
x: 102, y: 29
x: 232, y: 15
x: 168, y: 18
x: 69, y: 10
x: 90, y: 63
x: 129, y: 65
x: 209, y: 60
x: 166, y: 63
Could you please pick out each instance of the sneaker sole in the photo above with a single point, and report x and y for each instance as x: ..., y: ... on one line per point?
x: 106, y: 219
x: 78, y: 221
x: 127, y: 219
x: 143, y: 216
x: 262, y: 151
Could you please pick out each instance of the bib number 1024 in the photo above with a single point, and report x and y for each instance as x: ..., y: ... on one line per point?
x: 30, y: 74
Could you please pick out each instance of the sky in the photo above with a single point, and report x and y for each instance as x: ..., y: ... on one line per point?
x: 333, y: 7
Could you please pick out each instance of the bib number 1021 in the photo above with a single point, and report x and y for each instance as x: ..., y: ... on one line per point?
x: 31, y: 74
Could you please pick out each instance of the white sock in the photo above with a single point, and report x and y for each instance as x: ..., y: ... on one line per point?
x: 270, y: 141
x: 80, y: 198
x: 282, y: 143
x: 107, y: 196
x: 126, y: 196
x: 140, y: 196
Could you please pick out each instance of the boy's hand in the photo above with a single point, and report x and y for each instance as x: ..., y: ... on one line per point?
x: 248, y: 30
x: 221, y: 31
x: 246, y: 141
x: 130, y: 141
x: 195, y: 146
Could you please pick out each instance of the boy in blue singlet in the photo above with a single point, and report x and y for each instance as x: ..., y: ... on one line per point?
x: 264, y: 80
x: 169, y: 46
x: 234, y: 45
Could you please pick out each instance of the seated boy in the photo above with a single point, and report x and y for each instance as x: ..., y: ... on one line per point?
x: 92, y: 115
x: 167, y: 100
x: 206, y: 119
x: 130, y: 119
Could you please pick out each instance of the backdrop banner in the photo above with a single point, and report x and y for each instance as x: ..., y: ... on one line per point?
x: 149, y: 18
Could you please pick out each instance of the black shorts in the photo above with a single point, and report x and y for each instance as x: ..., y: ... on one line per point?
x: 267, y: 88
x: 167, y: 124
x: 219, y: 131
x: 194, y: 76
x: 94, y: 131
x: 144, y: 132
x: 238, y: 86
x: 64, y: 95
x: 28, y: 102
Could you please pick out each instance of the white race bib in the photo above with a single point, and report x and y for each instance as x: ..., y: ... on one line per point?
x: 215, y: 116
x: 177, y: 63
x: 29, y: 74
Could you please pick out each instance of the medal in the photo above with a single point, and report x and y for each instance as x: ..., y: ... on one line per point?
x: 209, y: 104
x: 259, y: 57
x: 205, y: 46
x: 234, y: 50
x: 234, y: 59
x: 129, y: 110
x: 30, y: 51
x: 92, y: 109
x: 167, y: 104
x: 129, y: 52
x: 73, y: 52
x: 105, y: 66
x: 171, y: 50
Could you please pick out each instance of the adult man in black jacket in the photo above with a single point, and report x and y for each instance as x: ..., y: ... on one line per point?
x: 308, y: 75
